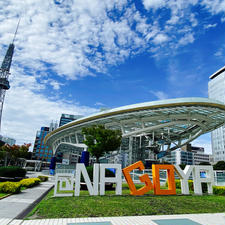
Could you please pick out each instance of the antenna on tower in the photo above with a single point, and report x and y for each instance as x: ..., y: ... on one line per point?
x: 16, y: 30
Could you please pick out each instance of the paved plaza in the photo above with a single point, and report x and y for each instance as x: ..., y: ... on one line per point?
x: 187, y: 219
x: 15, y: 207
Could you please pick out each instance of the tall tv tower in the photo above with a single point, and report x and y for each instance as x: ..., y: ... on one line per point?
x: 4, y: 72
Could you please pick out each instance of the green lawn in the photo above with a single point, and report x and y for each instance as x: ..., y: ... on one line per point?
x: 3, y: 194
x: 125, y: 205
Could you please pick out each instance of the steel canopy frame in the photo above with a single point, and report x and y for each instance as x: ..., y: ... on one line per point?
x: 169, y: 123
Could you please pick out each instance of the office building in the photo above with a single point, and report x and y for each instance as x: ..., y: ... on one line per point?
x: 41, y: 151
x: 216, y: 91
x: 66, y: 118
x: 53, y: 125
x: 8, y: 140
x: 199, y: 155
x: 188, y: 155
x: 178, y: 157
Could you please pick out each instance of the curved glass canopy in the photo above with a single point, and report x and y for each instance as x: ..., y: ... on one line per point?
x: 167, y: 124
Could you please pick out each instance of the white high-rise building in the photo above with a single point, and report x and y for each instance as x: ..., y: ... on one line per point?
x: 216, y: 91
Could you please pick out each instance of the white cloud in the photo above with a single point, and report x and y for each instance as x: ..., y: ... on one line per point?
x: 76, y: 39
x: 160, y: 38
x: 208, y: 26
x: 215, y: 7
x: 193, y: 20
x: 26, y: 109
x: 186, y: 39
x: 73, y: 39
x: 99, y: 104
x: 24, y: 112
x: 220, y: 52
x: 55, y: 84
x: 153, y: 4
x: 160, y: 95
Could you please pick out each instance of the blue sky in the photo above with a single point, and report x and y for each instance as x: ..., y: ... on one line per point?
x: 77, y: 56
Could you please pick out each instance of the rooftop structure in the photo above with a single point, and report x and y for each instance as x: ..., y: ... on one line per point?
x: 166, y: 124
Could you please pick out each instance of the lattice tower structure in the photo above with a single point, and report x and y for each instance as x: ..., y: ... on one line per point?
x: 4, y: 76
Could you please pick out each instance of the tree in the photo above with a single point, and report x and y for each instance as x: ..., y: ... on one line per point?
x: 205, y: 163
x: 10, y: 153
x: 220, y: 165
x: 182, y: 166
x: 101, y: 140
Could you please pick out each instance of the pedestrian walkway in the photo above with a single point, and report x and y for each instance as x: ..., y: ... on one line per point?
x: 184, y: 219
x: 17, y: 205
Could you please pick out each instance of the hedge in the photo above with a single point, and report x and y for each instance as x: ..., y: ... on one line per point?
x: 219, y: 190
x: 43, y: 178
x: 12, y: 171
x: 216, y: 189
x: 30, y: 182
x: 178, y: 184
x: 10, y: 187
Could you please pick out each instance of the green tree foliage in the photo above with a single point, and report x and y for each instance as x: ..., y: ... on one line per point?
x: 101, y: 140
x: 9, y: 154
x: 220, y: 165
x: 205, y: 163
x: 182, y: 166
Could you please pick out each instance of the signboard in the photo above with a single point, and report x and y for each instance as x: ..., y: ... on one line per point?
x: 97, y: 187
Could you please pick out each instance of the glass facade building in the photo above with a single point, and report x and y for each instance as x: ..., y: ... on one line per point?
x: 41, y: 151
x: 66, y: 118
x: 179, y: 157
x: 216, y: 90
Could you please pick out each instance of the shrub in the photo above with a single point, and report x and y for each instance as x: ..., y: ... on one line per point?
x: 43, y: 178
x: 12, y: 171
x: 108, y: 173
x: 10, y: 187
x: 219, y: 190
x: 30, y: 182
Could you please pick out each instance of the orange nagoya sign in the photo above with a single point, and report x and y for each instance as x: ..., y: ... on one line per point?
x: 148, y: 184
x: 144, y: 178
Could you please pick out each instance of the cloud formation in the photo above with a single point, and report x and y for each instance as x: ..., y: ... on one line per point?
x: 26, y: 109
x: 70, y: 39
x: 79, y: 38
x: 160, y: 95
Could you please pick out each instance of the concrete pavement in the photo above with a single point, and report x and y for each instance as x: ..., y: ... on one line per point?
x: 184, y: 219
x: 17, y: 205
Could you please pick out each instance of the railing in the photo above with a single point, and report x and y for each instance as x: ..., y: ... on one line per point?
x: 65, y: 171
